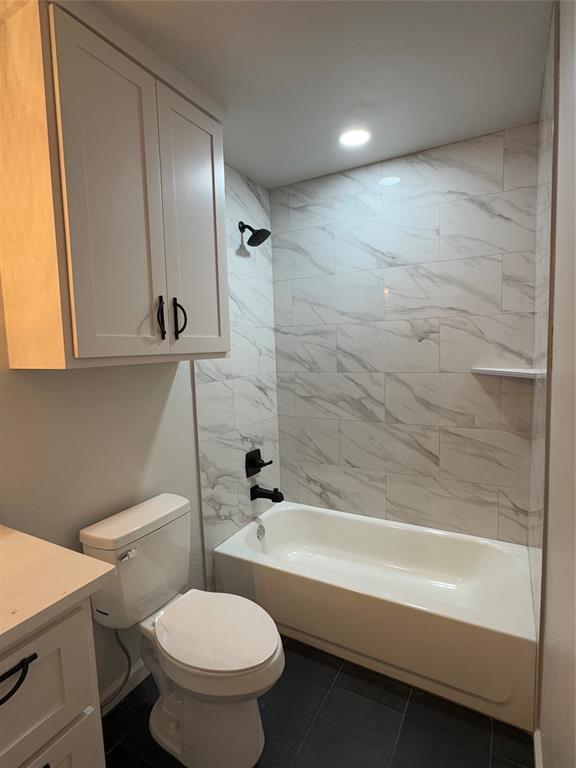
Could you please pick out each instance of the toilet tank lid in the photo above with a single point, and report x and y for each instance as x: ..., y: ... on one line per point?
x: 125, y: 527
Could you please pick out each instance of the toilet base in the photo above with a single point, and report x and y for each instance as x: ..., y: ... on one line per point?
x: 203, y: 734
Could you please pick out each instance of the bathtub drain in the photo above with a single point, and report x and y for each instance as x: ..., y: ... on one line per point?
x: 261, y: 532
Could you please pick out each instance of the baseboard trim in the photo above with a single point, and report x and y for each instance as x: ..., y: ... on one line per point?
x: 138, y: 673
x: 538, y: 759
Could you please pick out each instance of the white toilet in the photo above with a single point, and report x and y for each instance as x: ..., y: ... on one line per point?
x: 212, y: 655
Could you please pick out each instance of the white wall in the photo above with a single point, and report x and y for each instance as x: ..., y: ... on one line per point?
x: 558, y: 672
x: 76, y: 446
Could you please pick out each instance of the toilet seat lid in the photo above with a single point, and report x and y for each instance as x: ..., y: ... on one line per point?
x: 217, y: 632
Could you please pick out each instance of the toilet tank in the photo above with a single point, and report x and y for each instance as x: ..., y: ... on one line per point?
x: 150, y: 546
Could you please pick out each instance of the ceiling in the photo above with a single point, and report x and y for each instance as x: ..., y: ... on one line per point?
x: 292, y: 75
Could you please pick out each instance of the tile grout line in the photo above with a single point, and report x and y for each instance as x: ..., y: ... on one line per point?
x: 320, y: 707
x: 124, y: 733
x: 143, y: 759
x: 394, y: 749
x: 491, y: 755
x: 378, y: 703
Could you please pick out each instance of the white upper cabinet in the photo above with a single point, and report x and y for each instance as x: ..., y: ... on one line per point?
x: 131, y: 266
x: 108, y: 127
x: 194, y: 234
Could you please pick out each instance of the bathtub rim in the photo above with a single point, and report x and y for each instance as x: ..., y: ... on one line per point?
x: 236, y: 547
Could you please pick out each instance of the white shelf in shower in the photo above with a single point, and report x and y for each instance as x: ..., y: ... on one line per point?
x: 515, y: 373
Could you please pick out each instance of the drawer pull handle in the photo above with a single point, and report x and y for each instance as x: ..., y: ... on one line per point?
x: 21, y: 667
x: 160, y: 317
x: 177, y: 330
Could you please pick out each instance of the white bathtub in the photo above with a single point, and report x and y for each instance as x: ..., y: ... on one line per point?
x: 444, y: 611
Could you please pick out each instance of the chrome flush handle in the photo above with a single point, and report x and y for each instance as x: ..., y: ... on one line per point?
x: 130, y: 554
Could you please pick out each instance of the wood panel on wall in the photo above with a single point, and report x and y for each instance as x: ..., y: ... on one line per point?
x: 34, y: 309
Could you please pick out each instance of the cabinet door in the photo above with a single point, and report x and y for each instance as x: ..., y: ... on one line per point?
x: 108, y: 133
x: 56, y: 686
x: 194, y: 225
x: 80, y: 746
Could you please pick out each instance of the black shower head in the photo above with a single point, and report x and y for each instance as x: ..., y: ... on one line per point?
x: 257, y: 237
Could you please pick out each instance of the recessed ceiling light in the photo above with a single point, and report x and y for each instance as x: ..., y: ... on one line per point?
x: 389, y: 181
x: 355, y: 137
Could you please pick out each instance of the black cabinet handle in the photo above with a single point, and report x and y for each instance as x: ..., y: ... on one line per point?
x: 160, y: 317
x: 176, y: 307
x: 21, y: 667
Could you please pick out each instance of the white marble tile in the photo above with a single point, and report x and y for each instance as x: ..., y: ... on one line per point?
x: 443, y: 399
x: 450, y: 172
x: 518, y: 282
x: 513, y: 515
x: 445, y: 504
x: 246, y: 200
x: 536, y: 498
x: 225, y: 488
x: 466, y: 286
x: 308, y: 440
x: 254, y: 399
x: 251, y: 301
x: 516, y: 404
x: 392, y: 345
x: 353, y: 298
x: 216, y: 531
x: 484, y: 341
x: 340, y: 395
x: 542, y: 256
x: 521, y: 156
x: 303, y: 253
x: 288, y: 474
x: 361, y: 492
x: 252, y: 351
x: 286, y: 394
x: 389, y: 447
x: 403, y: 237
x: 242, y: 360
x: 220, y: 463
x: 487, y: 456
x: 214, y: 409
x: 539, y: 407
x: 283, y: 303
x: 280, y: 209
x: 306, y: 348
x: 261, y: 434
x: 264, y: 340
x: 541, y: 338
x: 338, y: 197
x: 510, y: 385
x: 481, y: 226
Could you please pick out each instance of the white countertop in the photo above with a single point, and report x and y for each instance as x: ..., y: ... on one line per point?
x: 39, y: 580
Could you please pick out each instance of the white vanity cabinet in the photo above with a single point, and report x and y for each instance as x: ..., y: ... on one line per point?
x: 57, y: 696
x: 49, y: 702
x: 113, y: 244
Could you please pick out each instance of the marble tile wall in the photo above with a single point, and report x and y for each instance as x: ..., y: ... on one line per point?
x: 385, y: 295
x: 236, y: 397
x: 541, y: 305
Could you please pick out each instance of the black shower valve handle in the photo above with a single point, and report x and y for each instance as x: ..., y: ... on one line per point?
x: 255, y: 462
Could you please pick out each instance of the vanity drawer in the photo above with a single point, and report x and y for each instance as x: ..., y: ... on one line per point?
x: 78, y: 747
x: 56, y: 687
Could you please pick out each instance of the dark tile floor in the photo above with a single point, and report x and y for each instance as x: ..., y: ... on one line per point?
x: 325, y: 713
